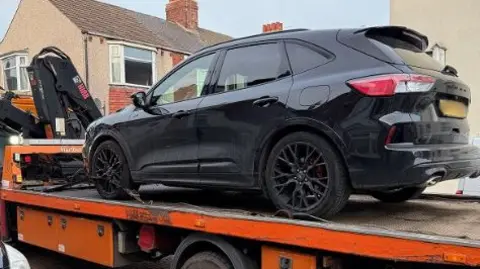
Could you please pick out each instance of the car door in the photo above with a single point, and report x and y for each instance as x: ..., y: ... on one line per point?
x: 247, y: 101
x: 163, y: 137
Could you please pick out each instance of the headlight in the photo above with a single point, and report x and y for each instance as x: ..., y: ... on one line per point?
x: 17, y: 260
x: 15, y: 140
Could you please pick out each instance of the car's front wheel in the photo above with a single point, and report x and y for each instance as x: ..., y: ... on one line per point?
x: 305, y: 174
x: 399, y: 195
x: 109, y: 169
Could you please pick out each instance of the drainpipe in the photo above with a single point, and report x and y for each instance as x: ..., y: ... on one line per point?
x: 85, y: 43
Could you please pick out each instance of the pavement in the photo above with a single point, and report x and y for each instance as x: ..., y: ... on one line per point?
x: 446, y: 187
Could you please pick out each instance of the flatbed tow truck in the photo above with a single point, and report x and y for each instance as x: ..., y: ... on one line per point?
x: 208, y: 230
x: 433, y: 231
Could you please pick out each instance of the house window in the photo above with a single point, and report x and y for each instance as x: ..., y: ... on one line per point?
x: 15, y: 76
x: 132, y: 65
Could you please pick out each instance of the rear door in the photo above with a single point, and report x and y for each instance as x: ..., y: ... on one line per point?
x: 246, y: 103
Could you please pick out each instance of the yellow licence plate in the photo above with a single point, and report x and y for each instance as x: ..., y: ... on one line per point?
x: 453, y: 109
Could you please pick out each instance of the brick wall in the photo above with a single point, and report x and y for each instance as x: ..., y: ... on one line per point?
x: 177, y: 58
x: 119, y: 97
x: 273, y: 27
x: 183, y: 12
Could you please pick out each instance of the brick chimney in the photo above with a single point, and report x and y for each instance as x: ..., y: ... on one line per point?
x: 273, y: 27
x: 183, y: 12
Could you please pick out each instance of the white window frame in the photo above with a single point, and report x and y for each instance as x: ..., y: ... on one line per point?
x: 18, y: 68
x: 121, y: 48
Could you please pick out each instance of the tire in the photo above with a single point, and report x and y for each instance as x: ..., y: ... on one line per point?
x: 110, y: 191
x: 399, y: 196
x: 207, y: 260
x: 336, y: 190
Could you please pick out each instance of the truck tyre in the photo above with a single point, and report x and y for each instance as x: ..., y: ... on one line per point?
x: 207, y: 260
x: 109, y: 168
x: 305, y: 174
x: 399, y: 196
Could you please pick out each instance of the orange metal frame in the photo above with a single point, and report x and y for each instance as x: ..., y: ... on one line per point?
x: 374, y: 246
x: 73, y: 236
x: 11, y: 168
x: 369, y: 245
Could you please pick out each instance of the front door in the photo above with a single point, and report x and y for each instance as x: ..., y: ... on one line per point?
x: 167, y: 146
x: 246, y: 103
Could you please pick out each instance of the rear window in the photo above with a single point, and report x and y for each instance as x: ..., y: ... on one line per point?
x: 406, y: 53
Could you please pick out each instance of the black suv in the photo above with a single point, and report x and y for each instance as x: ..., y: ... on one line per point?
x: 305, y: 116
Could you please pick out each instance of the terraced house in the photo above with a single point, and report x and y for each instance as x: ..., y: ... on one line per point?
x: 117, y: 51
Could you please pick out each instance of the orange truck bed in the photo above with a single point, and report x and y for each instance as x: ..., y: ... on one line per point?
x: 427, y: 230
x: 434, y: 230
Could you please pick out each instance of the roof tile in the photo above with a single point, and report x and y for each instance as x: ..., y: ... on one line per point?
x: 116, y: 22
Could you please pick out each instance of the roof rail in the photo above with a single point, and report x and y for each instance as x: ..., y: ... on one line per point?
x: 257, y: 35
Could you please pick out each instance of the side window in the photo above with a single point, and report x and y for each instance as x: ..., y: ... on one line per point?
x: 186, y: 83
x: 303, y: 58
x: 250, y: 66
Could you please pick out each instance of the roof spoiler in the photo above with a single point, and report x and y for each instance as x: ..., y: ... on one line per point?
x: 415, y: 38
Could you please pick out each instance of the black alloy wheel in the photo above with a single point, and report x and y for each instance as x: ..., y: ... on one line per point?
x: 305, y: 174
x: 110, y: 171
x: 300, y: 176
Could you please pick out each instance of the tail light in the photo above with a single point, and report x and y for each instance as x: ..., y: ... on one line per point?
x: 388, y: 85
x: 459, y: 192
x: 147, y: 239
x: 27, y: 159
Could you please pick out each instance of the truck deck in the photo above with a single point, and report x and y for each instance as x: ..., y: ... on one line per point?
x: 428, y: 229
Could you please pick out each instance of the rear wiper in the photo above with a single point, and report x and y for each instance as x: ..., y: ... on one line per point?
x: 449, y: 70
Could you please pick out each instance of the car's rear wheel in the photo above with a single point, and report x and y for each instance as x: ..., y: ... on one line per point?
x: 110, y: 170
x: 207, y: 260
x: 400, y: 195
x: 305, y: 174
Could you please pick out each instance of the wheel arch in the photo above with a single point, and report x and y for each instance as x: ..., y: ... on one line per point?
x: 110, y: 136
x: 298, y: 125
x: 198, y: 242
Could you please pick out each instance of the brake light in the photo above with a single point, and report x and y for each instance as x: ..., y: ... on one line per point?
x: 388, y: 85
x: 28, y: 159
x: 459, y: 192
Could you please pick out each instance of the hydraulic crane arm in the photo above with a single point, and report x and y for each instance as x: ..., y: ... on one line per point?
x: 64, y: 105
x: 14, y: 120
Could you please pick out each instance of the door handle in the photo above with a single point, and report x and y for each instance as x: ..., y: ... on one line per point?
x: 265, y: 101
x: 180, y: 114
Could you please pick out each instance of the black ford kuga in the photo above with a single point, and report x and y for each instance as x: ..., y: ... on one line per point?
x: 307, y: 117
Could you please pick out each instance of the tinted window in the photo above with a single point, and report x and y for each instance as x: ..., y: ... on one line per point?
x: 303, y: 58
x: 250, y: 66
x: 186, y: 83
x: 409, y: 53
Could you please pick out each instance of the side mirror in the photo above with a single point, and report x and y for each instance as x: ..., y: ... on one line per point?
x: 139, y: 99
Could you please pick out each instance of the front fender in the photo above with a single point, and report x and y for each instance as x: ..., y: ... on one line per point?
x: 107, y: 133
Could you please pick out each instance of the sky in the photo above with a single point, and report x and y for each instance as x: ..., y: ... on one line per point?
x: 228, y: 16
